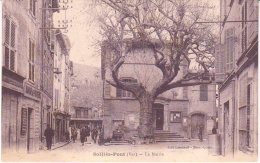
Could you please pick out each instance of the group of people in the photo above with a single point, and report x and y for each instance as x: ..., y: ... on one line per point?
x: 85, y: 132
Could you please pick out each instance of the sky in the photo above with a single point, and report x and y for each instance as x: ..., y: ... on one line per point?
x: 84, y: 32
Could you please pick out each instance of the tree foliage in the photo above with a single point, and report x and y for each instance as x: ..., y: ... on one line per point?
x: 170, y: 28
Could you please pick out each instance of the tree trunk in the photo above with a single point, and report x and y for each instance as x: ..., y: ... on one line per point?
x: 146, y: 116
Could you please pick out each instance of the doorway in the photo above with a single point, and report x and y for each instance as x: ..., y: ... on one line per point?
x: 158, y: 114
x: 29, y: 129
x: 197, y: 120
x: 227, y: 142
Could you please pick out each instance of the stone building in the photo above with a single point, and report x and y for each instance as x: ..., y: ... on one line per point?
x: 180, y: 110
x: 238, y: 90
x: 61, y: 85
x: 47, y: 71
x: 22, y: 84
x: 86, y: 96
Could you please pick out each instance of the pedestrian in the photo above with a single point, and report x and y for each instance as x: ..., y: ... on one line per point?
x: 67, y: 136
x: 83, y: 135
x: 87, y: 132
x: 94, y: 134
x: 214, y: 130
x: 48, y: 133
x: 201, y: 127
x: 101, y: 136
x: 74, y: 134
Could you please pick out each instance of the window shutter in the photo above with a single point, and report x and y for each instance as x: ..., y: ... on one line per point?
x: 32, y: 52
x: 118, y: 92
x: 30, y: 71
x: 31, y: 4
x: 13, y: 35
x: 30, y: 49
x: 203, y: 92
x: 185, y: 92
x: 6, y: 57
x: 34, y: 5
x: 12, y: 60
x: 7, y: 31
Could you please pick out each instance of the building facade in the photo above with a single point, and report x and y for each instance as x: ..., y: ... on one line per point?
x: 180, y: 110
x: 61, y: 90
x: 22, y: 95
x: 238, y: 89
x: 47, y: 71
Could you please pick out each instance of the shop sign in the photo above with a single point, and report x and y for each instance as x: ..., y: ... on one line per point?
x: 32, y: 92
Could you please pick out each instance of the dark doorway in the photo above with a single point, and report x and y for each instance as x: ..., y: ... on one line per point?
x: 197, y: 121
x: 58, y: 131
x: 29, y: 129
x: 227, y: 142
x: 158, y: 112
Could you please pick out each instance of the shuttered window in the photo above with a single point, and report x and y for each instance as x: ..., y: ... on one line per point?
x: 244, y: 27
x: 32, y: 6
x: 185, y: 92
x: 229, y: 48
x: 31, y: 60
x: 203, y: 92
x: 242, y: 91
x: 124, y: 93
x: 56, y: 97
x: 9, y: 44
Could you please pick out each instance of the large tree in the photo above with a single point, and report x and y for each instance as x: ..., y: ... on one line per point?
x: 173, y: 32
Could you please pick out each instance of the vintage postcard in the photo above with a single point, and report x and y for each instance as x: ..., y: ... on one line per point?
x: 129, y: 80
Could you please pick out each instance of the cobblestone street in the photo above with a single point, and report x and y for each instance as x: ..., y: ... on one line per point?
x: 75, y: 152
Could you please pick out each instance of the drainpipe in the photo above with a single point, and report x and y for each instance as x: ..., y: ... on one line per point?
x: 234, y: 114
x: 41, y: 85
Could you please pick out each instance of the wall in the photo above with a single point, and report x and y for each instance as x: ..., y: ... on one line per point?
x: 226, y: 95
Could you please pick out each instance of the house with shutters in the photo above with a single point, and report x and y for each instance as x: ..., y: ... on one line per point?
x: 63, y: 69
x: 179, y: 111
x: 23, y: 81
x: 238, y: 77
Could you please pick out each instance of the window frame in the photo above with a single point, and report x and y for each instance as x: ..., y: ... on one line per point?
x: 172, y: 120
x: 8, y: 45
x: 202, y: 91
x: 121, y: 93
x: 32, y: 7
x: 244, y: 36
x: 31, y: 60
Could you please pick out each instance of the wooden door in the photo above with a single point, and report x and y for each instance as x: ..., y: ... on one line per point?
x: 159, y: 119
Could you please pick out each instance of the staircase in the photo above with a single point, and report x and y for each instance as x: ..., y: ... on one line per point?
x: 167, y: 136
x: 117, y: 142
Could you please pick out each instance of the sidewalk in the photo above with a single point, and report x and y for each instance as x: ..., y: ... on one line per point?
x: 56, y: 146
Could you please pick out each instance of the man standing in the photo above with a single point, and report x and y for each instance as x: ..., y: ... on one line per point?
x: 74, y: 134
x: 49, y: 133
x: 83, y: 135
x: 201, y: 128
x: 94, y: 134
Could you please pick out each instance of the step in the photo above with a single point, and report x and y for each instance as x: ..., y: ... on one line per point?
x: 116, y: 144
x: 169, y: 138
x: 163, y: 133
x: 173, y: 140
x: 166, y: 135
x: 118, y: 141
